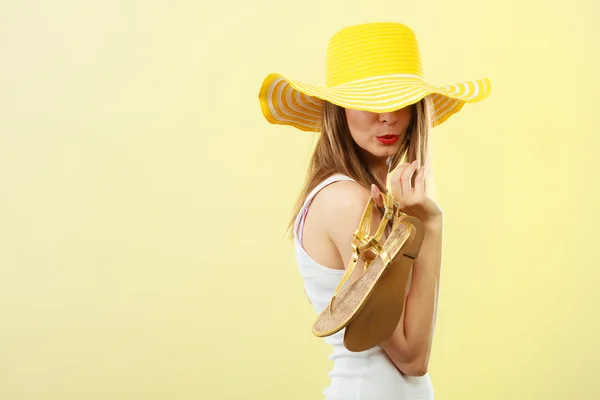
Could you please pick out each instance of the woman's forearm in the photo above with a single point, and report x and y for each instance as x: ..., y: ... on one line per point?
x: 410, y: 345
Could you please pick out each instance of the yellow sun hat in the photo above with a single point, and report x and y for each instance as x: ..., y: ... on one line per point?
x: 372, y: 67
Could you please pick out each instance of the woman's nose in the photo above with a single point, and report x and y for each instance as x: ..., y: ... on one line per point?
x: 388, y: 118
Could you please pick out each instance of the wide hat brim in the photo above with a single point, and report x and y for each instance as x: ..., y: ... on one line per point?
x: 288, y: 102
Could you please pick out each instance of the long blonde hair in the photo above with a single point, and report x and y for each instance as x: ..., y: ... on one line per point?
x: 337, y: 153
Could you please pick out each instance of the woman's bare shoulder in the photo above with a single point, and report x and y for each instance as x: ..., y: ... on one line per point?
x: 341, y: 195
x: 340, y: 206
x: 337, y: 211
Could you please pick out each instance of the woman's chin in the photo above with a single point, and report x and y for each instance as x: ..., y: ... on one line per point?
x: 386, y: 151
x: 380, y: 152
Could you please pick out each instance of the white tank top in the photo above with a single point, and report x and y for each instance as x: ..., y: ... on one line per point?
x: 366, y: 375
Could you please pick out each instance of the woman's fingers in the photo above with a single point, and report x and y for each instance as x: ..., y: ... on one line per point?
x: 408, y: 184
x: 376, y: 195
x: 420, y: 182
x: 407, y: 189
x: 396, y: 181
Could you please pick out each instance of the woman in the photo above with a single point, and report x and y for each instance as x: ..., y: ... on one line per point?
x: 375, y: 111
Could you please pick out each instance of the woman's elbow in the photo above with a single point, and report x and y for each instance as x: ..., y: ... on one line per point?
x: 415, y: 368
x: 415, y: 372
x: 408, y: 363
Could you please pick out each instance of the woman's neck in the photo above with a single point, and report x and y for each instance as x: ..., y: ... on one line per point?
x: 377, y: 165
x: 380, y: 169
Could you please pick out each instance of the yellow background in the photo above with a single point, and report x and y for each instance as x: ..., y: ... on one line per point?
x: 143, y: 198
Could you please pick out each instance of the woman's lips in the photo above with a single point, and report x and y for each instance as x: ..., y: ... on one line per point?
x: 387, y: 139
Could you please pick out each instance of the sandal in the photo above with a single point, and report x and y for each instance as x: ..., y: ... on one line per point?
x: 371, y: 307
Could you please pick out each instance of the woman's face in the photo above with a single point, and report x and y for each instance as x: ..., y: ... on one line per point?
x: 379, y: 135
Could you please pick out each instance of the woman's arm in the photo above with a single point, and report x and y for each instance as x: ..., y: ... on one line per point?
x: 409, y: 346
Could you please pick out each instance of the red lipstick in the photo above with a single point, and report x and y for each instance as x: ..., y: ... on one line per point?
x: 388, y: 139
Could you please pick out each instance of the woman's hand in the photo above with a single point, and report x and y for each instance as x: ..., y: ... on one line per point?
x: 412, y: 200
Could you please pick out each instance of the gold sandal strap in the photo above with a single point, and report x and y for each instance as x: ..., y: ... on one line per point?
x: 369, y: 240
x: 363, y: 242
x: 364, y: 225
x: 361, y: 236
x: 374, y: 246
x: 379, y: 251
x: 351, y: 265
